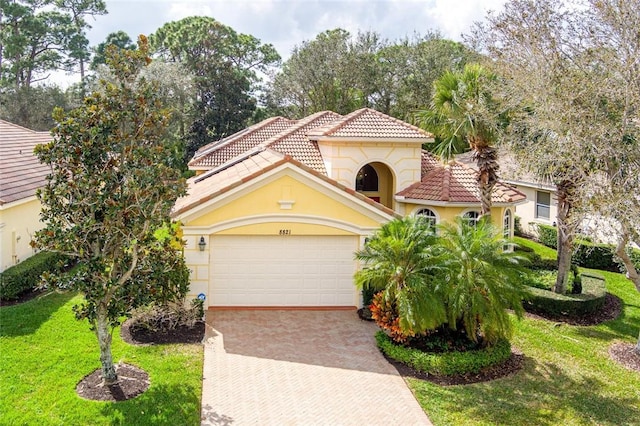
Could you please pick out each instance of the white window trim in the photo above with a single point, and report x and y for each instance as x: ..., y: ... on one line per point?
x: 535, y: 211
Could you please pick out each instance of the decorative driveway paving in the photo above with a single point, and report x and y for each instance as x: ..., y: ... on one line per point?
x: 288, y: 367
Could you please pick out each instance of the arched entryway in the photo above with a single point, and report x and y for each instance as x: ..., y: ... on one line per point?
x: 375, y: 180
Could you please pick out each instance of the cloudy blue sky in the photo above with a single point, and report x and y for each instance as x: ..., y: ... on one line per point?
x: 286, y: 23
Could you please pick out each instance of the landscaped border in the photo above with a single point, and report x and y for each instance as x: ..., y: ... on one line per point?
x: 589, y: 301
x: 446, y: 363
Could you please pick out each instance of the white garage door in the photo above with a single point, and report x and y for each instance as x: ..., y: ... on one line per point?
x: 282, y: 271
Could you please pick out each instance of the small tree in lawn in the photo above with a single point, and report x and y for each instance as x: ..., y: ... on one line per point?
x: 110, y: 191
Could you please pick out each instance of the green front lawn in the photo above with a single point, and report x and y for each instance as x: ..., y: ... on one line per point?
x: 45, y: 352
x: 567, y: 379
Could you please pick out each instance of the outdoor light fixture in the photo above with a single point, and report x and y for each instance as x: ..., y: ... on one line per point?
x: 202, y: 244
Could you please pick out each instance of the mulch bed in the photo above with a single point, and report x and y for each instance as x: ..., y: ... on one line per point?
x: 24, y: 297
x: 511, y: 366
x: 624, y: 354
x: 182, y: 334
x: 132, y: 381
x: 610, y: 311
x: 621, y: 352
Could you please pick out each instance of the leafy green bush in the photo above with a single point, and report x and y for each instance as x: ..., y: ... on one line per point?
x: 594, y: 256
x: 547, y: 235
x: 590, y: 300
x: 517, y: 226
x: 25, y: 276
x: 445, y: 363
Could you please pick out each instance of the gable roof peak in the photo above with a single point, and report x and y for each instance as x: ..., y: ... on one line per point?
x: 368, y: 123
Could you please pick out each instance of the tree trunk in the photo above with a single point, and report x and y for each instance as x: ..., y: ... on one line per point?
x: 485, y: 196
x: 638, y: 345
x: 103, y: 334
x: 632, y: 273
x: 565, y: 236
x: 486, y: 158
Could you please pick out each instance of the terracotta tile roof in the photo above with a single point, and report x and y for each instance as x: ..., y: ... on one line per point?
x: 218, y: 181
x: 21, y: 173
x: 511, y: 170
x: 369, y: 123
x: 296, y: 143
x: 219, y: 152
x: 428, y: 162
x: 455, y: 183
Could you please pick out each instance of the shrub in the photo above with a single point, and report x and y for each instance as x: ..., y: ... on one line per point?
x: 540, y: 263
x: 25, y: 276
x: 590, y: 300
x: 446, y: 363
x: 166, y: 316
x: 385, y: 314
x: 547, y: 235
x: 517, y: 226
x: 594, y: 256
x: 367, y: 295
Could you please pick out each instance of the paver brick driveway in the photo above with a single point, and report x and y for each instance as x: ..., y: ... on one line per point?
x: 287, y: 367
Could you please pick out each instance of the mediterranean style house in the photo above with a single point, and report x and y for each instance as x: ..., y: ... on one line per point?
x: 21, y: 174
x: 276, y: 211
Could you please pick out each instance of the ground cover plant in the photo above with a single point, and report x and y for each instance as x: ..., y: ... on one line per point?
x: 568, y: 375
x: 45, y: 352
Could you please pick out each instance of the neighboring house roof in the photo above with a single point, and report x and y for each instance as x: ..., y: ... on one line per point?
x: 369, y: 123
x: 21, y: 173
x: 455, y: 183
x: 511, y: 170
x: 254, y: 164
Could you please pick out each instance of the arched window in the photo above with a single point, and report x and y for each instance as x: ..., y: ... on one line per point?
x: 429, y: 215
x: 506, y: 224
x: 367, y: 179
x: 472, y: 217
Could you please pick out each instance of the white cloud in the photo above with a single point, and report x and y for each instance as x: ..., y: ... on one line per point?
x: 287, y: 23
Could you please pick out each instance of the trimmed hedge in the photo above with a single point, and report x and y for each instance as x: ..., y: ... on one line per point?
x: 590, y: 300
x: 446, y: 363
x: 25, y: 276
x: 595, y: 256
x: 586, y: 253
x: 547, y: 235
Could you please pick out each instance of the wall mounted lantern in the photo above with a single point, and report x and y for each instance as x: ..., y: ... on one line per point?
x: 202, y: 244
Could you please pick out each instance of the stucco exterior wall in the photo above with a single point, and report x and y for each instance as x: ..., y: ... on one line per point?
x: 448, y: 214
x: 527, y: 210
x: 284, y: 204
x: 18, y: 222
x: 343, y: 160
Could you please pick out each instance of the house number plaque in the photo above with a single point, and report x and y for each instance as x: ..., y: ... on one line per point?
x: 285, y: 232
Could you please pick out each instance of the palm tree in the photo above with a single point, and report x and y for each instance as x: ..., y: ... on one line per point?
x: 398, y: 260
x: 481, y: 281
x: 462, y: 116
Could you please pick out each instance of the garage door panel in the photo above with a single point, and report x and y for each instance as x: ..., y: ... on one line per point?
x: 282, y: 271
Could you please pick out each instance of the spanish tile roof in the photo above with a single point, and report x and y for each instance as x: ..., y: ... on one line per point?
x: 298, y: 138
x: 219, y: 152
x: 428, y: 162
x: 369, y: 123
x: 455, y: 183
x: 21, y: 173
x: 296, y: 143
x: 218, y: 181
x: 511, y: 170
